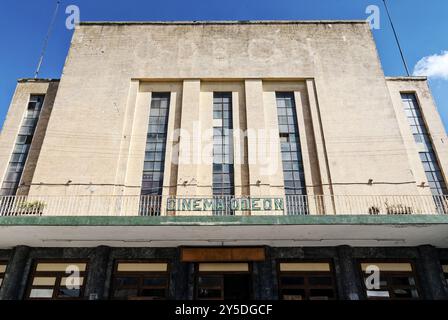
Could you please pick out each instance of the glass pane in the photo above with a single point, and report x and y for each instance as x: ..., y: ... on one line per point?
x: 125, y: 293
x: 378, y: 294
x: 154, y: 282
x: 292, y: 280
x: 126, y: 281
x: 210, y: 281
x: 69, y: 293
x: 204, y: 293
x: 403, y: 293
x: 324, y: 281
x: 155, y: 293
x: 403, y: 280
x: 321, y: 294
x: 293, y: 294
x: 41, y: 293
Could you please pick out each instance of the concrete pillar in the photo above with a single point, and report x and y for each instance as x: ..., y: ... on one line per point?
x: 430, y: 274
x: 13, y: 282
x: 347, y: 275
x: 96, y: 277
x: 179, y: 277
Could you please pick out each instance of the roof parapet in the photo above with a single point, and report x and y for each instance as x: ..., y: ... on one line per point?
x: 402, y: 78
x: 26, y: 80
x: 224, y: 22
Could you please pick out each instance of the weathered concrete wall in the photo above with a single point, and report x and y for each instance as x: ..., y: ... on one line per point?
x: 351, y: 103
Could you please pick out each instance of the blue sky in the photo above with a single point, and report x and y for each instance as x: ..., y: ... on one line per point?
x: 422, y: 27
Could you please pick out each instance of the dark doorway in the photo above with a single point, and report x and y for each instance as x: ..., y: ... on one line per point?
x: 236, y: 287
x: 223, y: 286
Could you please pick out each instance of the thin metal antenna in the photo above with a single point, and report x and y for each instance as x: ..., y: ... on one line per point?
x: 44, y: 48
x: 396, y: 39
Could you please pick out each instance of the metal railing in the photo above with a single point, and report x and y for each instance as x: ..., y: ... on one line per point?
x: 221, y: 206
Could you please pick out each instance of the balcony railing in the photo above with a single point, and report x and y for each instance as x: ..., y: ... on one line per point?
x: 221, y: 206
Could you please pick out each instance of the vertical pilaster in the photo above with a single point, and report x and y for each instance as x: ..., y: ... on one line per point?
x: 265, y: 176
x: 321, y: 152
x: 430, y: 274
x: 265, y: 279
x: 13, y: 282
x: 347, y: 275
x: 179, y: 276
x: 96, y: 277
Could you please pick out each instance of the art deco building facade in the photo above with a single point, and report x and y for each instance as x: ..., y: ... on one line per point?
x: 223, y: 160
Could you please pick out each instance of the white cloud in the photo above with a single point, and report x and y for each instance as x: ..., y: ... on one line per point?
x: 435, y: 66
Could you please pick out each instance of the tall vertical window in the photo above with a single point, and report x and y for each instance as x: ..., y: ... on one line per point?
x: 22, y: 146
x: 422, y: 138
x: 152, y: 184
x: 293, y: 172
x: 223, y: 180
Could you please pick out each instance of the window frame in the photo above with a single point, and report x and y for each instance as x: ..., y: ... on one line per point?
x: 140, y: 275
x: 156, y: 145
x: 58, y: 275
x: 2, y: 274
x: 306, y: 275
x: 291, y: 148
x: 390, y: 274
x: 444, y: 263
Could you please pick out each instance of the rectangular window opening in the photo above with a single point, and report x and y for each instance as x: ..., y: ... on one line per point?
x: 154, y: 164
x: 223, y: 170
x: 293, y: 170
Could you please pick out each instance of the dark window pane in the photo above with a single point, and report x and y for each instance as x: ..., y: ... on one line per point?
x: 211, y: 281
x: 405, y: 293
x: 321, y: 294
x: 154, y: 281
x: 126, y: 281
x: 125, y: 293
x: 69, y: 293
x: 155, y: 293
x: 403, y: 280
x: 326, y: 281
x: 292, y: 280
